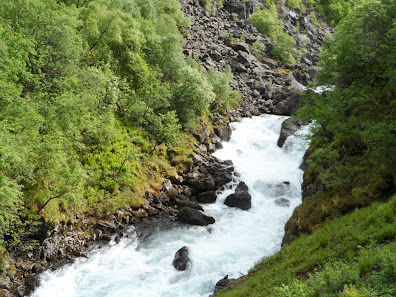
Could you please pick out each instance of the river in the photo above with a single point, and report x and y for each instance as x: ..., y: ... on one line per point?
x: 239, y: 239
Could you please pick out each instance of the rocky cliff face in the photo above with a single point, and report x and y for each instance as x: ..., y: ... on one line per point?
x: 226, y: 37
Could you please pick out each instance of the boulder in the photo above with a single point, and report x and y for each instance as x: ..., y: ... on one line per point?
x: 237, y: 67
x: 286, y: 103
x: 207, y: 197
x: 289, y: 127
x: 245, y: 58
x: 241, y: 187
x: 223, y: 284
x: 181, y: 259
x: 186, y: 203
x: 194, y: 217
x: 240, y: 46
x: 224, y: 132
x: 241, y: 198
x: 201, y: 183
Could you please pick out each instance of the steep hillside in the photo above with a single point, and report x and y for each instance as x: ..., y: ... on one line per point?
x: 349, y: 168
x: 109, y: 109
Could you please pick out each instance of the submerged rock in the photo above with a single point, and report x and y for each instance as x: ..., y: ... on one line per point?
x: 194, y: 217
x: 282, y: 202
x: 181, y: 259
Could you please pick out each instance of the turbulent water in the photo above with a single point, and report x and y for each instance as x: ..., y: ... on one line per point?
x: 143, y: 266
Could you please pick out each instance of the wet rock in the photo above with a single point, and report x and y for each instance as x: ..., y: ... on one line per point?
x: 181, y: 259
x: 304, y: 164
x: 187, y: 203
x: 207, y: 197
x: 241, y: 198
x: 201, y: 183
x: 194, y: 217
x: 241, y: 187
x: 286, y: 103
x: 224, y: 132
x: 223, y: 179
x: 106, y: 237
x: 289, y: 127
x: 222, y: 284
x: 31, y: 283
x: 282, y: 202
x: 106, y: 225
x: 211, y: 148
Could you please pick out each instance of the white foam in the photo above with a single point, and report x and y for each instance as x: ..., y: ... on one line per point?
x: 231, y: 246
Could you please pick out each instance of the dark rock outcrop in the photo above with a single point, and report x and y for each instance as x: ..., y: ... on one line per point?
x: 286, y: 103
x: 207, y: 197
x: 241, y: 198
x: 194, y: 217
x: 289, y: 127
x: 222, y: 284
x: 181, y: 259
x: 224, y: 132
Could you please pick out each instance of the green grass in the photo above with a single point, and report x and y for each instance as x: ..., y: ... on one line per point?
x: 354, y: 255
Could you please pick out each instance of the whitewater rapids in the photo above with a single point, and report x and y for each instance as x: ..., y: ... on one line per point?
x: 238, y: 239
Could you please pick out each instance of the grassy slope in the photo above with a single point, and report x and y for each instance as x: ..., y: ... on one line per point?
x: 354, y: 255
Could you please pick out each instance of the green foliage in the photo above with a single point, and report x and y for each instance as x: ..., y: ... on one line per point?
x: 346, y: 257
x: 78, y: 81
x: 355, y: 123
x: 192, y: 96
x: 285, y: 50
x: 221, y: 87
x: 334, y: 10
x: 293, y: 3
x: 267, y: 22
x: 258, y: 49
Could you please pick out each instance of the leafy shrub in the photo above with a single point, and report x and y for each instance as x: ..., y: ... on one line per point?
x: 192, y: 96
x: 284, y: 49
x: 267, y: 22
x: 221, y: 87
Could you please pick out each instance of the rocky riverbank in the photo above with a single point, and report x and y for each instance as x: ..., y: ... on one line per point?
x: 215, y: 40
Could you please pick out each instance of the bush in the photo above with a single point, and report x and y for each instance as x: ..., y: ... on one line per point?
x: 284, y: 49
x: 221, y: 87
x: 192, y: 96
x: 267, y: 22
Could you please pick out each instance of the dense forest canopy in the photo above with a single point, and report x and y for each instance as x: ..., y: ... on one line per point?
x: 88, y: 90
